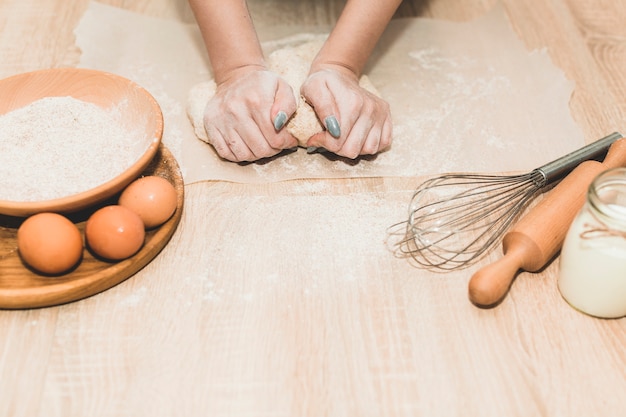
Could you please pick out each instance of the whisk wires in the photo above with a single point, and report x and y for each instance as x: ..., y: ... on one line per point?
x: 455, y: 218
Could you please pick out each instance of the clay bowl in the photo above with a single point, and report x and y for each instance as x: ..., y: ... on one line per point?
x: 139, y: 111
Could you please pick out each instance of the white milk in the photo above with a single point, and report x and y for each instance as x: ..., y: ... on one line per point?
x: 593, y: 260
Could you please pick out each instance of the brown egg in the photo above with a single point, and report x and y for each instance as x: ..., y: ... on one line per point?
x: 49, y: 243
x: 153, y: 198
x: 114, y: 232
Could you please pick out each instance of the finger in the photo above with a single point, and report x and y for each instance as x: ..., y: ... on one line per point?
x: 332, y: 125
x: 264, y: 140
x: 279, y: 120
x: 378, y: 138
x: 371, y: 145
x: 357, y: 138
x: 327, y: 111
x: 217, y: 140
x: 326, y: 140
x: 284, y: 106
x: 242, y: 133
x: 256, y: 145
x: 386, y: 136
x: 316, y: 140
x: 239, y: 147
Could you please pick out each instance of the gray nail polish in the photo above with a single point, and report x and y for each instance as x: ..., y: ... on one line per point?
x: 315, y: 149
x: 333, y: 126
x: 279, y: 120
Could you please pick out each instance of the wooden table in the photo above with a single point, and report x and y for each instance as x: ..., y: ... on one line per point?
x: 268, y: 303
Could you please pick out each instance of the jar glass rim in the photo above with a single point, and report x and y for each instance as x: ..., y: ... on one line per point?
x: 607, y: 194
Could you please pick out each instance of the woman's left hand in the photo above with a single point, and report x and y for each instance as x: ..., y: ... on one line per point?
x: 357, y: 122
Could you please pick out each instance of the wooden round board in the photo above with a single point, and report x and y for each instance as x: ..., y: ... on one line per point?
x: 21, y: 288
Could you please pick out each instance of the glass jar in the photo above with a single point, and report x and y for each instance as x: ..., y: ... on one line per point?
x: 593, y: 259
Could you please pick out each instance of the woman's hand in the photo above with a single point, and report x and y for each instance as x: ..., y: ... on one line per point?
x: 244, y: 119
x: 357, y: 121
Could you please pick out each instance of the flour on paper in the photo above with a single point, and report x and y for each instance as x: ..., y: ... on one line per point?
x: 464, y: 96
x: 290, y: 62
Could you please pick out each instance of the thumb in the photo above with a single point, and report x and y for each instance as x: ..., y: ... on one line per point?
x: 325, y: 108
x: 285, y: 105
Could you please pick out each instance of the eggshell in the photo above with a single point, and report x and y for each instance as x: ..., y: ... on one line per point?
x: 153, y: 198
x: 114, y: 232
x: 49, y: 243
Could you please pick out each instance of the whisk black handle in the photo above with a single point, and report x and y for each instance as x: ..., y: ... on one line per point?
x: 557, y: 169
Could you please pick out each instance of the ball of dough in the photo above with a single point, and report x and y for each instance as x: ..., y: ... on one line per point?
x: 199, y: 96
x: 292, y: 63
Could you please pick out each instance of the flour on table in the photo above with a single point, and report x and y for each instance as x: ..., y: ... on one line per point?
x: 292, y: 63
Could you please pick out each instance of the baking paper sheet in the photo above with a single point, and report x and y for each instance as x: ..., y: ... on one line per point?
x: 464, y: 96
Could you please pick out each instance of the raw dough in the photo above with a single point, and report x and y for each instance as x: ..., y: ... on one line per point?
x: 292, y: 63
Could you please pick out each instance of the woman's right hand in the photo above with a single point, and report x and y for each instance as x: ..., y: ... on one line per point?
x: 245, y: 118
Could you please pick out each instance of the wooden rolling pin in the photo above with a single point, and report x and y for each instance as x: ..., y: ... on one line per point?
x: 539, y: 235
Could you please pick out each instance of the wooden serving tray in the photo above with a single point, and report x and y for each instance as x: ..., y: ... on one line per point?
x: 21, y: 287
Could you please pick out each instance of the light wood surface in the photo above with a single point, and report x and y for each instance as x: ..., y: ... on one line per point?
x: 269, y: 301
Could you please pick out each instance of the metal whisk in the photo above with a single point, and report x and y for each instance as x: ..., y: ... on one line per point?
x: 455, y: 218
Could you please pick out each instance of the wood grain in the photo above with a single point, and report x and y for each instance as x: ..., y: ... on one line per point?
x: 282, y: 299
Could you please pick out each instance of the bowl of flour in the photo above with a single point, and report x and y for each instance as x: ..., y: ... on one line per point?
x: 71, y: 138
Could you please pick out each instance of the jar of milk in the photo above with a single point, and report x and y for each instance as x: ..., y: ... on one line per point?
x: 593, y: 259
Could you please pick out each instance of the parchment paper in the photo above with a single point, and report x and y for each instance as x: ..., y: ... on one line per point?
x: 464, y: 96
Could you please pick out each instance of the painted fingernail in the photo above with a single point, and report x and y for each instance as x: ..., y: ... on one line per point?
x: 279, y: 120
x: 315, y: 149
x: 333, y: 126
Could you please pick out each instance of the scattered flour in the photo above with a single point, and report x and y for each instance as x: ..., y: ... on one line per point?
x: 60, y: 146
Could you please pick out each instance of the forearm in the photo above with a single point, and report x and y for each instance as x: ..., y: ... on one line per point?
x: 229, y: 36
x: 355, y: 35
